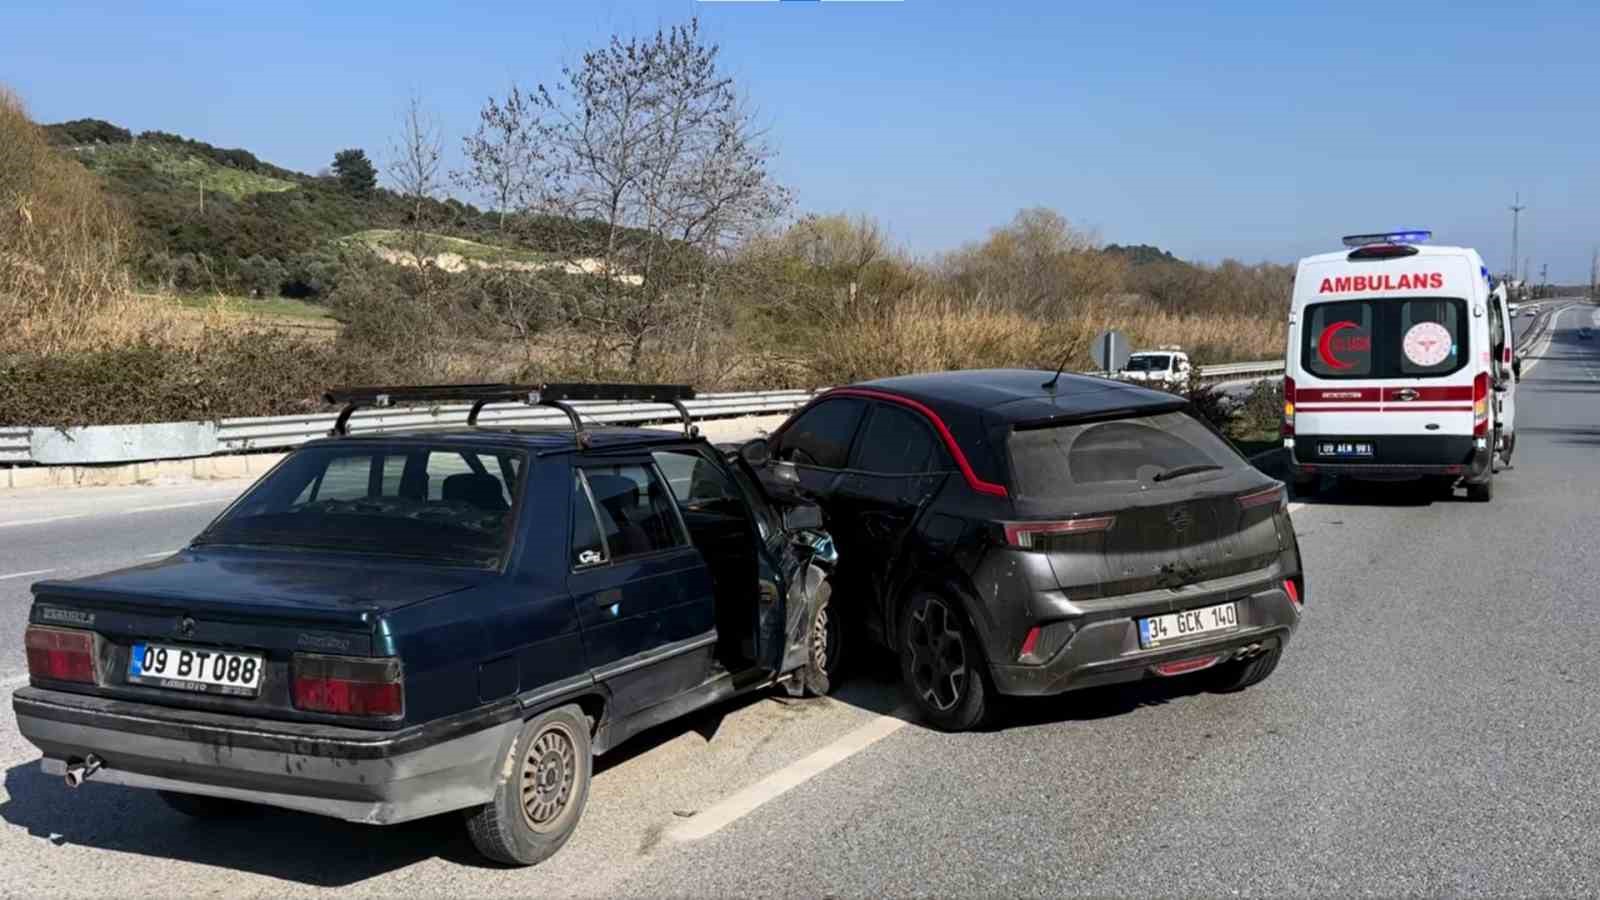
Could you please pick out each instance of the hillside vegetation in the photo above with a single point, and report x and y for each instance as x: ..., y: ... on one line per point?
x: 153, y: 277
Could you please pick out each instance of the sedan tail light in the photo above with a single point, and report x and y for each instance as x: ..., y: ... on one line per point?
x: 61, y: 654
x: 349, y: 686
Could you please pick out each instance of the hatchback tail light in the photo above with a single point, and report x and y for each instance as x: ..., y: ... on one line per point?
x: 1033, y: 535
x: 1291, y: 586
x: 1272, y: 496
x: 1480, y: 405
x: 61, y: 654
x: 1288, y: 406
x: 349, y: 686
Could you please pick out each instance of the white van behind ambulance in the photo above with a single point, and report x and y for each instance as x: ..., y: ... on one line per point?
x: 1400, y: 366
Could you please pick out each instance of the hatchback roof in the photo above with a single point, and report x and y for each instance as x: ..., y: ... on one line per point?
x: 1018, y: 396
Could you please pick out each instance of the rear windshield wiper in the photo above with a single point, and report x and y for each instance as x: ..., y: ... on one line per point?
x: 1181, y: 471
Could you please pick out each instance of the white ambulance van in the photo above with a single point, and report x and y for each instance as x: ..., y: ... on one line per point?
x: 1400, y: 366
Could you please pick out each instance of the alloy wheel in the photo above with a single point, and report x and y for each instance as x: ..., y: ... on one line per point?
x: 938, y: 654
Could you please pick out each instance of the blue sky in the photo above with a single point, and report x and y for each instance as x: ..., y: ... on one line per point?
x: 1254, y: 130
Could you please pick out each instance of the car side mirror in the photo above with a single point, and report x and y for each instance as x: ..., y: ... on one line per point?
x: 756, y: 452
x: 802, y: 517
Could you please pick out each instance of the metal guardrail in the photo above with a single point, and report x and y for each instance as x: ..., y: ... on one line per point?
x: 1266, y: 368
x: 14, y: 446
x: 180, y: 440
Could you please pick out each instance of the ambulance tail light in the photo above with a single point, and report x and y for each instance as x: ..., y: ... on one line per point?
x: 1288, y: 406
x: 1480, y: 405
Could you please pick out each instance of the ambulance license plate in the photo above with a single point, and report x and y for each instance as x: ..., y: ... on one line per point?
x: 1157, y: 630
x: 1342, y: 449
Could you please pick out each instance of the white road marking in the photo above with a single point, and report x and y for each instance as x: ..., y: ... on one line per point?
x: 159, y: 553
x: 43, y: 521
x: 118, y: 512
x: 140, y: 509
x: 737, y: 805
x: 1295, y: 506
x: 26, y: 574
x: 1546, y: 339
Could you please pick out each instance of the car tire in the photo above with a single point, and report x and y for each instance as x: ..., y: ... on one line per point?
x: 540, y: 791
x: 1236, y: 676
x: 199, y: 806
x: 825, y: 651
x: 1483, y: 491
x: 941, y: 664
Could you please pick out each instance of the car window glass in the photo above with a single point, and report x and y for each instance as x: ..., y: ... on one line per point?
x: 821, y: 436
x: 327, y: 498
x: 1056, y: 462
x: 1338, y: 339
x: 636, y: 512
x: 896, y: 442
x: 587, y: 548
x: 1429, y: 337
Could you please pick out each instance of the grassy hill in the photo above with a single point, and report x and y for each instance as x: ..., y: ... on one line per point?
x: 212, y: 219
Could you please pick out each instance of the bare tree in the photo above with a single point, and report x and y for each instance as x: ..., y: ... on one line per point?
x: 653, y: 171
x: 414, y: 173
x: 503, y: 154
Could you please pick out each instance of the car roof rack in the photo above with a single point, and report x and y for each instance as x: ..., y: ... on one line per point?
x: 558, y: 395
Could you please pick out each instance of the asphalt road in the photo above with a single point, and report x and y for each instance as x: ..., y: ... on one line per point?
x: 1430, y: 731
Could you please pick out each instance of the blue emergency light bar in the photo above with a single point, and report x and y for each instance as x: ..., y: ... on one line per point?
x: 1413, y: 236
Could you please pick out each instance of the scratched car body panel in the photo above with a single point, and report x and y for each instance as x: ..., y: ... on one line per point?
x: 382, y: 625
x: 1016, y: 527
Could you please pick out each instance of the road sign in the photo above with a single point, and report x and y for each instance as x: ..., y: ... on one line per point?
x: 1110, y: 351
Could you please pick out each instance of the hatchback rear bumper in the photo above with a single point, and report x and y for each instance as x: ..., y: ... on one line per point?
x: 378, y: 778
x: 1106, y: 650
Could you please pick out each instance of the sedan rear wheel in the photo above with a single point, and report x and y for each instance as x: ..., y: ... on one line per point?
x: 540, y: 792
x: 941, y: 665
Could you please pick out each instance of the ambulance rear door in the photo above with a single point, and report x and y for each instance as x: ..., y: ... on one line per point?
x: 1384, y: 356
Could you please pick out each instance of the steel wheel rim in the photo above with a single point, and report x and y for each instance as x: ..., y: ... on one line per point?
x: 938, y: 655
x: 549, y: 773
x: 822, y: 640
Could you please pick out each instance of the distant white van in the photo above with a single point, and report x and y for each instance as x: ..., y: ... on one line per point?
x: 1400, y: 365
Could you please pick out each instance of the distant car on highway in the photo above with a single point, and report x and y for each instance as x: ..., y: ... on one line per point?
x: 1023, y: 533
x: 391, y: 626
x: 1168, y: 367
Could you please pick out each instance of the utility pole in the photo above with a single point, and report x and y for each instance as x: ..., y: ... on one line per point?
x: 1516, y: 214
x: 1544, y: 278
x: 1594, y: 274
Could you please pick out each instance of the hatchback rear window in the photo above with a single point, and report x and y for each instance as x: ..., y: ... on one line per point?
x: 1076, y: 459
x: 439, y: 504
x: 1385, y: 338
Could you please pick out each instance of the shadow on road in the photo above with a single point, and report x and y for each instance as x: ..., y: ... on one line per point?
x: 292, y: 846
x: 1421, y: 492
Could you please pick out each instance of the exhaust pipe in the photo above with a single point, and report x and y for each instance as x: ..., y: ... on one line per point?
x: 78, y: 773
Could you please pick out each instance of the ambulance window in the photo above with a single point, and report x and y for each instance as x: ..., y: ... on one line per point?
x: 1430, y: 337
x: 1338, y: 339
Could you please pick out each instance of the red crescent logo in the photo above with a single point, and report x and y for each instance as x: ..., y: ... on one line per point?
x: 1325, y: 345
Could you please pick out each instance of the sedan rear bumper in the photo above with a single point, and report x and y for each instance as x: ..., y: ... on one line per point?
x: 380, y: 778
x: 1107, y: 651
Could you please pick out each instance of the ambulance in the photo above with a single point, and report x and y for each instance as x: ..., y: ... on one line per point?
x: 1400, y: 366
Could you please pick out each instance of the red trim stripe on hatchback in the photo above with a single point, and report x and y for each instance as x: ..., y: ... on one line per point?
x: 973, y: 481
